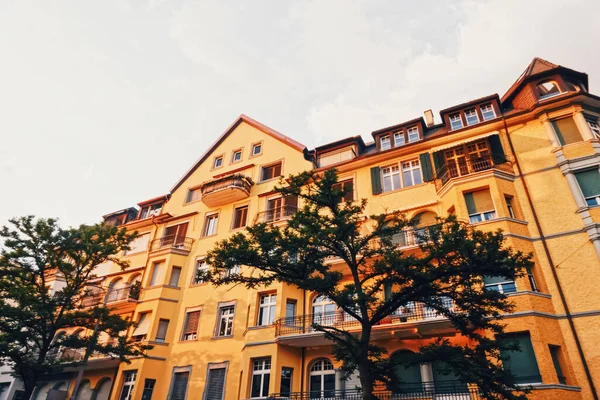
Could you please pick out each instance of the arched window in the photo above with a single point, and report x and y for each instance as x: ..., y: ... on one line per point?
x: 408, y: 375
x: 572, y: 87
x: 115, y: 290
x: 322, y: 379
x: 323, y: 310
x: 548, y: 89
x: 102, y: 390
x: 85, y: 391
x: 425, y: 219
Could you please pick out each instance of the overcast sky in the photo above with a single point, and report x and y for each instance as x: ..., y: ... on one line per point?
x: 107, y: 103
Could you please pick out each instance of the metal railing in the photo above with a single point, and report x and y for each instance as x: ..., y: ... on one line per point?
x: 413, y: 312
x: 172, y: 242
x: 446, y: 390
x: 129, y: 292
x: 228, y: 182
x: 275, y: 214
x: 469, y: 165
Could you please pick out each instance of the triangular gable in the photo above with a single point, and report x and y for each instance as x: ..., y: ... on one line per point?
x: 242, y: 118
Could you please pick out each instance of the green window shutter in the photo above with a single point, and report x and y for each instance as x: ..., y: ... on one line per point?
x: 589, y: 182
x: 376, y: 180
x: 496, y: 148
x: 522, y: 364
x: 438, y: 161
x: 425, y: 162
x: 471, y: 209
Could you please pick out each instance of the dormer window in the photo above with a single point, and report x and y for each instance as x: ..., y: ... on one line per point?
x: 455, y: 121
x: 548, y: 89
x: 218, y: 162
x: 413, y: 134
x: 399, y: 139
x: 150, y: 210
x: 385, y: 143
x: 471, y: 116
x: 572, y: 87
x: 488, y: 112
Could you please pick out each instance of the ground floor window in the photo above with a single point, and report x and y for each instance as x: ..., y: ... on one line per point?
x: 322, y: 379
x: 128, y: 383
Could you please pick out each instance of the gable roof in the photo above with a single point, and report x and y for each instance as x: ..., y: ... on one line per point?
x: 242, y: 118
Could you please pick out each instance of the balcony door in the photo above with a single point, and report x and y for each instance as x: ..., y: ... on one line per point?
x: 456, y: 162
x: 281, y: 207
x: 324, y: 311
x: 322, y: 379
x: 175, y: 235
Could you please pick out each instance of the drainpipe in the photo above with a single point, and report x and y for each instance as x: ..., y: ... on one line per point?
x: 552, y: 267
x: 302, y: 372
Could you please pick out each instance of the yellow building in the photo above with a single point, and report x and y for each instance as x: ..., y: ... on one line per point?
x: 527, y: 163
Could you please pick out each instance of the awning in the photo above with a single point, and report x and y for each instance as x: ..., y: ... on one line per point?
x: 462, y: 141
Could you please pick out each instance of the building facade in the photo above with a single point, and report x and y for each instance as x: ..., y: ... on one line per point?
x: 527, y: 163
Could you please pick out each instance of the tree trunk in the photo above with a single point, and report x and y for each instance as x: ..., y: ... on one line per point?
x: 29, y: 385
x: 366, y: 379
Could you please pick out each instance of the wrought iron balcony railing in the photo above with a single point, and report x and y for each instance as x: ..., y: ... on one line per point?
x: 172, y: 242
x: 469, y: 165
x: 275, y: 214
x: 130, y: 292
x: 447, y: 390
x: 301, y: 324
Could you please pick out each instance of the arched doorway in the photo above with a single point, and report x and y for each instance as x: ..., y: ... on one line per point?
x: 408, y: 375
x: 424, y: 220
x: 42, y: 392
x: 85, y: 391
x: 102, y: 390
x: 322, y: 379
x: 323, y: 311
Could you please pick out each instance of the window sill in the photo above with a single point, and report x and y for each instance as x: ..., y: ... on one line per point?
x: 193, y: 285
x: 208, y: 236
x: 269, y: 180
x: 259, y: 327
x: 404, y: 188
x: 530, y: 293
x: 221, y: 337
x: 187, y: 203
x: 155, y: 343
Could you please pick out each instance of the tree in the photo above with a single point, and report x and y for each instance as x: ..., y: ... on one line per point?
x: 451, y: 264
x: 35, y: 317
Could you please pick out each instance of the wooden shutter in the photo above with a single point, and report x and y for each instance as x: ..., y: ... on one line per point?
x: 567, y: 131
x: 589, y: 182
x: 438, y: 162
x: 426, y: 170
x: 179, y: 388
x: 216, y: 383
x: 496, y: 149
x: 163, y: 326
x: 483, y: 200
x: 376, y: 180
x: 521, y: 363
x: 191, y: 324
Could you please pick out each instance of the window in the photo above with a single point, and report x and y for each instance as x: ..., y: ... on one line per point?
x: 141, y: 330
x: 281, y: 207
x: 555, y: 354
x: 509, y: 206
x: 521, y: 363
x: 261, y: 376
x: 138, y: 245
x: 286, y: 381
x: 266, y: 309
x: 290, y: 311
x: 487, y: 111
x: 471, y: 116
x: 240, y: 214
x: 391, y: 178
x: 270, y: 172
x: 548, y: 89
x: 202, y: 267
x: 480, y: 206
x: 148, y: 389
x: 193, y: 195
x: 236, y: 156
x: 566, y: 131
x: 411, y: 173
x: 225, y: 320
x: 572, y: 87
x: 455, y: 121
x: 499, y: 284
x: 322, y: 379
x: 589, y: 183
x: 594, y: 127
x: 256, y: 149
x: 413, y: 134
x: 175, y: 274
x: 128, y: 382
x: 179, y: 384
x: 174, y: 235
x: 150, y: 210
x: 190, y: 328
x: 336, y: 157
x: 235, y: 270
x: 161, y: 332
x: 158, y: 274
x: 215, y: 381
x: 347, y: 186
x: 218, y: 162
x: 531, y: 279
x: 210, y: 225
x: 385, y: 143
x: 399, y: 139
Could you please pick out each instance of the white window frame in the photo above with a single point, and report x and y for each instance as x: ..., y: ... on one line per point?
x: 548, y: 96
x: 399, y: 170
x: 261, y: 367
x: 216, y: 160
x: 594, y: 127
x: 499, y: 286
x: 410, y: 132
x: 470, y: 113
x: 270, y: 305
x: 253, y: 148
x: 485, y: 110
x: 128, y: 384
x: 399, y: 139
x: 235, y: 270
x: 201, y: 264
x: 234, y: 153
x: 214, y: 217
x: 483, y: 216
x: 455, y: 118
x: 388, y: 143
x: 226, y: 319
x: 413, y: 165
x: 190, y: 336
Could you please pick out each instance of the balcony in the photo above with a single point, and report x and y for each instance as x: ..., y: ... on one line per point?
x: 228, y: 189
x: 465, y: 166
x: 127, y: 293
x: 275, y: 214
x: 171, y: 242
x: 446, y: 390
x: 414, y: 319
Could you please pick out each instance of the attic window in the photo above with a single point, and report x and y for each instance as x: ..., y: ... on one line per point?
x: 218, y: 162
x: 572, y: 87
x: 488, y: 112
x: 385, y: 143
x: 455, y: 121
x: 548, y: 89
x: 413, y: 134
x: 472, y: 117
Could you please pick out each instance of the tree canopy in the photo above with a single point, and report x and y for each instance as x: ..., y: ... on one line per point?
x: 46, y: 275
x: 379, y: 278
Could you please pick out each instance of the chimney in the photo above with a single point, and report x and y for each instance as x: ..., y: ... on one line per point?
x: 428, y: 118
